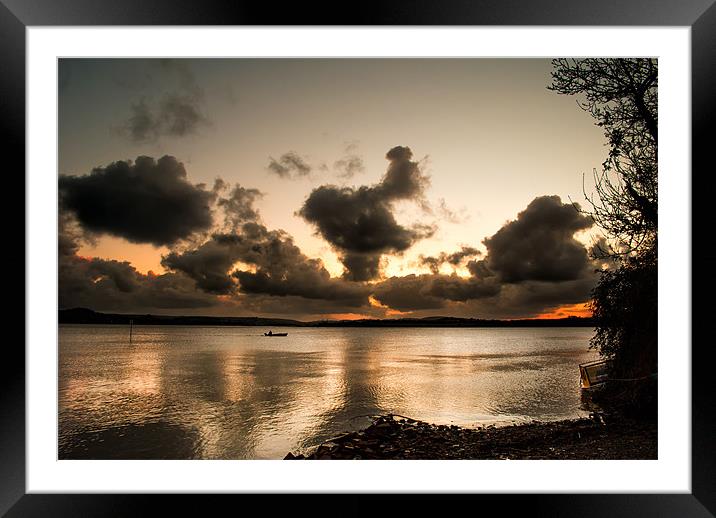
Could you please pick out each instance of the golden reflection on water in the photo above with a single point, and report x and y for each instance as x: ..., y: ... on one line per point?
x: 143, y: 371
x: 189, y: 392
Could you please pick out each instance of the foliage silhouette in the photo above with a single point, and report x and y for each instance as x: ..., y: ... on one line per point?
x: 621, y: 95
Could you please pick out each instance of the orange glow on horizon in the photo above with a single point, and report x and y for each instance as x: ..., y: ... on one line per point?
x: 345, y: 316
x: 567, y: 310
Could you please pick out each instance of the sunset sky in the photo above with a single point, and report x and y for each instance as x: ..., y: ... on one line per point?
x: 323, y: 188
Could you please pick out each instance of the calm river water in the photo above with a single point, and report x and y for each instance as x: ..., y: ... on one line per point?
x: 230, y: 393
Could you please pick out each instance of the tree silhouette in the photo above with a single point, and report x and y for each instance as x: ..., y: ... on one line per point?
x: 621, y: 95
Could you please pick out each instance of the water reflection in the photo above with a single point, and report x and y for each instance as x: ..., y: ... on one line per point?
x: 227, y: 393
x: 134, y: 441
x: 358, y: 369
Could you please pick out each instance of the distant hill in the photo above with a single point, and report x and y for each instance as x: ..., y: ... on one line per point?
x: 88, y: 316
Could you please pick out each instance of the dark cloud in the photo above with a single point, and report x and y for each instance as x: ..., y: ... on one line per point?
x: 531, y: 298
x: 146, y: 201
x: 141, y: 125
x: 289, y: 165
x: 431, y: 291
x: 179, y: 115
x: 293, y: 166
x: 479, y: 269
x: 281, y: 270
x: 210, y: 262
x: 291, y: 306
x: 361, y: 267
x: 533, y: 264
x: 359, y: 222
x: 238, y: 206
x: 524, y: 300
x: 112, y: 285
x: 175, y: 114
x: 248, y: 262
x: 481, y: 298
x: 408, y: 293
x: 116, y: 285
x: 455, y: 288
x: 251, y: 259
x: 350, y: 164
x: 356, y: 220
x: 454, y: 259
x: 262, y: 261
x: 69, y: 234
x: 403, y: 179
x: 457, y: 257
x: 539, y: 245
x: 208, y: 265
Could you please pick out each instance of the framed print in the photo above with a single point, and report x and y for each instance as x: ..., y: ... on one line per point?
x: 421, y: 243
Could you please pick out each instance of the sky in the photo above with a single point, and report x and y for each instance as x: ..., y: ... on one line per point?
x: 324, y: 188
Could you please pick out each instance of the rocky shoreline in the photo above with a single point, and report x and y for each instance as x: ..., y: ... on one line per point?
x: 600, y: 436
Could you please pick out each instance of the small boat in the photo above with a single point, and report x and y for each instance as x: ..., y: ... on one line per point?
x: 275, y: 334
x: 593, y: 373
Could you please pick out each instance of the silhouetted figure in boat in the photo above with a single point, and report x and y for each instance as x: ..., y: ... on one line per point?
x: 270, y: 332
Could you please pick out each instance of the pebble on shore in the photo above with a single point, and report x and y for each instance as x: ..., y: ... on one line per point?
x: 398, y: 437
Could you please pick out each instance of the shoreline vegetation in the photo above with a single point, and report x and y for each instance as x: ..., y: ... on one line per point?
x: 88, y: 316
x: 393, y: 437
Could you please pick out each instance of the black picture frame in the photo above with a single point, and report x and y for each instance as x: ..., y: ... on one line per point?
x: 700, y: 15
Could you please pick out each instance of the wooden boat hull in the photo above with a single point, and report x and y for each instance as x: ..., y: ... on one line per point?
x: 593, y: 373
